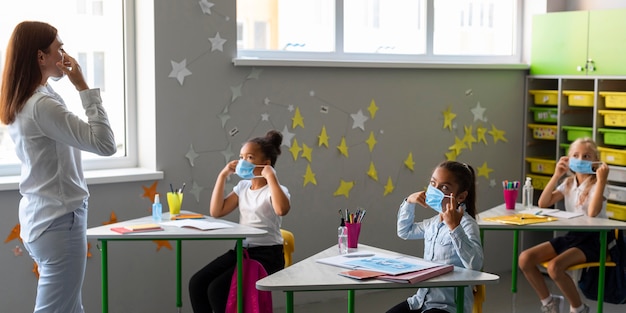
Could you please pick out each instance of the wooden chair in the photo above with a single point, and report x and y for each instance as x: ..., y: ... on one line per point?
x: 289, y: 245
x: 479, y: 297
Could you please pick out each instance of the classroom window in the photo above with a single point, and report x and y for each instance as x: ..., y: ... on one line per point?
x: 471, y: 31
x: 100, y: 50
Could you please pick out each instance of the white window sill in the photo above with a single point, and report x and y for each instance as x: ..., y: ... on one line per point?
x: 120, y: 175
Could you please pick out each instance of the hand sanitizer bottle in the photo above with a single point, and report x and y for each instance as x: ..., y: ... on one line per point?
x: 157, y: 209
x: 527, y: 194
x: 343, y: 237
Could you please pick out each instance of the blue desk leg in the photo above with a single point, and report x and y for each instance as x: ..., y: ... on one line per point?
x: 179, y: 296
x: 351, y: 300
x: 460, y: 299
x: 105, y: 276
x: 240, y: 275
x: 602, y: 269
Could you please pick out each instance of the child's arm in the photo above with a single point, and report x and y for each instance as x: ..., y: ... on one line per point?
x: 406, y: 226
x: 280, y: 200
x: 221, y: 206
x: 466, y: 241
x: 550, y: 195
x: 597, y: 199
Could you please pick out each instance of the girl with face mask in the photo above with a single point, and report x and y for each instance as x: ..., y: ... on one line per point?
x: 451, y: 236
x: 582, y: 191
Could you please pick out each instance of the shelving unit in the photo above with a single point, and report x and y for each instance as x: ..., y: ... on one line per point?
x: 563, y: 108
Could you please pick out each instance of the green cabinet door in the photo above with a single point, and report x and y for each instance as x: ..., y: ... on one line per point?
x: 559, y: 43
x: 607, y: 42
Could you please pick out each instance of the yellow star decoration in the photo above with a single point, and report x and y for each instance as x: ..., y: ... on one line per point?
x: 389, y: 186
x: 497, y: 134
x: 468, y: 138
x: 484, y: 170
x: 451, y: 155
x: 458, y: 145
x: 408, y: 162
x: 322, y: 138
x: 309, y: 176
x: 372, y: 172
x: 344, y: 188
x: 306, y: 152
x: 15, y: 234
x: 448, y: 116
x: 371, y: 141
x: 295, y: 149
x: 149, y: 192
x: 162, y: 244
x: 480, y: 133
x: 297, y: 119
x: 372, y: 109
x: 342, y: 147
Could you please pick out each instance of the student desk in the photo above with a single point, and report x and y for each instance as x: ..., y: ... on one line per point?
x: 309, y: 275
x: 581, y: 223
x: 237, y: 232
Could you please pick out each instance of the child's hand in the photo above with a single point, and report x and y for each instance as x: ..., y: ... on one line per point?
x: 602, y: 172
x: 450, y: 215
x: 230, y: 167
x: 268, y: 171
x: 562, y: 166
x: 417, y: 197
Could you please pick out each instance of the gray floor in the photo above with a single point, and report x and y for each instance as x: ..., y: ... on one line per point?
x: 499, y: 299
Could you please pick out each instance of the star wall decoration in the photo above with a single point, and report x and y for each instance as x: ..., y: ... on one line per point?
x: 196, y: 190
x: 217, y: 43
x: 236, y: 91
x: 371, y: 141
x: 372, y: 109
x: 372, y: 173
x: 480, y: 133
x: 306, y: 152
x: 287, y: 136
x: 388, y: 187
x: 343, y: 148
x: 448, y: 117
x: 484, y: 170
x: 309, y: 176
x: 162, y: 244
x: 14, y: 234
x: 344, y: 188
x: 468, y: 139
x: 408, y: 162
x: 479, y: 113
x: 295, y: 149
x: 322, y: 139
x: 297, y: 119
x: 458, y: 145
x: 191, y: 155
x: 227, y: 153
x: 150, y: 192
x: 17, y: 251
x: 265, y: 117
x: 497, y: 134
x: 179, y: 71
x: 206, y: 6
x: 254, y: 73
x: 359, y: 120
x: 112, y: 219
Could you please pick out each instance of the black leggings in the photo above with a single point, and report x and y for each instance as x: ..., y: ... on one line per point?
x: 209, y: 287
x: 403, y: 307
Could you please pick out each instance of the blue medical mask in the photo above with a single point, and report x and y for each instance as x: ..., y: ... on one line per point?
x: 245, y: 169
x: 581, y: 166
x: 434, y: 197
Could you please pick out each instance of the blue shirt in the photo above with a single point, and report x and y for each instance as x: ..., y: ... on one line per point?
x: 460, y: 247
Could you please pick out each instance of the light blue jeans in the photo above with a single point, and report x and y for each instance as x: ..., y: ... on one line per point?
x: 61, y: 255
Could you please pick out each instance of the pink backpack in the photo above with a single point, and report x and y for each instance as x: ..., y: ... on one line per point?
x: 254, y: 301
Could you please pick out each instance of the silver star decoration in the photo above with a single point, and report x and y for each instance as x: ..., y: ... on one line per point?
x: 266, y: 101
x: 196, y: 190
x: 290, y: 108
x: 228, y: 153
x: 479, y: 112
x: 179, y: 71
x: 254, y: 74
x: 191, y: 155
x: 217, y: 43
x: 492, y: 183
x: 359, y: 120
x: 224, y: 117
x: 236, y: 92
x: 206, y: 6
x: 287, y: 136
x: 312, y: 93
x: 265, y: 117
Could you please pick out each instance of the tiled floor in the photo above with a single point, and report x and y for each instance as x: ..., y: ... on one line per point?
x: 499, y: 299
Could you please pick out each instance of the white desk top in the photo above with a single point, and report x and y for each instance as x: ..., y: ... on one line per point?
x: 174, y: 232
x: 309, y: 275
x: 576, y: 223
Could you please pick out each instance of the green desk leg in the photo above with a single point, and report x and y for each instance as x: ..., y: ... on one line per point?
x: 289, y: 296
x: 351, y: 300
x: 105, y: 275
x: 239, y: 275
x: 602, y: 269
x: 179, y: 296
x: 514, y: 269
x: 460, y: 299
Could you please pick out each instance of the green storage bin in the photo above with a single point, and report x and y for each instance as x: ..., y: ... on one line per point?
x: 613, y: 136
x: 545, y: 115
x: 565, y: 147
x: 575, y: 132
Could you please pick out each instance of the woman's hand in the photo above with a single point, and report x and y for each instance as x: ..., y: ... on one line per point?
x: 72, y: 69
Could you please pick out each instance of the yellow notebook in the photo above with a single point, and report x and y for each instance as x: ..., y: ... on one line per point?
x: 521, y: 219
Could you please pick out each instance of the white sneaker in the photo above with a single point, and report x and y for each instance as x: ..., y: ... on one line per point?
x: 557, y: 305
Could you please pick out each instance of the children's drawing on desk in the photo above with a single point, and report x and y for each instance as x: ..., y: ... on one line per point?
x: 385, y: 265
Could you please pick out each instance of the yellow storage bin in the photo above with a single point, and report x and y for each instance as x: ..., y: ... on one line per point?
x: 578, y: 98
x: 546, y: 132
x: 612, y: 156
x: 616, y: 211
x: 613, y: 117
x: 545, y: 97
x: 613, y: 99
x: 541, y: 166
x: 539, y: 181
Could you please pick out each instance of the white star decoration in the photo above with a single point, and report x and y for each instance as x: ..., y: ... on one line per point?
x: 287, y: 136
x: 228, y: 153
x: 479, y: 112
x: 290, y: 108
x: 179, y: 71
x: 359, y: 120
x: 265, y: 117
x: 195, y: 190
x: 206, y: 6
x: 236, y: 92
x: 217, y: 43
x: 254, y: 74
x: 224, y: 117
x: 191, y: 155
x: 266, y: 101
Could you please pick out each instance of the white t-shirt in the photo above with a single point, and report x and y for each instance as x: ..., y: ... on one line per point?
x: 255, y: 210
x: 572, y: 195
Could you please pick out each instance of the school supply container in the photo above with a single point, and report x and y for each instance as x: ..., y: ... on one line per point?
x: 613, y: 99
x: 617, y: 174
x: 613, y: 117
x: 616, y: 211
x: 539, y: 181
x: 544, y: 115
x: 541, y: 166
x: 545, y: 97
x: 616, y: 193
x: 612, y: 156
x: 575, y: 132
x: 613, y: 136
x: 546, y: 132
x: 578, y: 98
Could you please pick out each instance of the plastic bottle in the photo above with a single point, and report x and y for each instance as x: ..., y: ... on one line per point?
x: 157, y: 209
x: 527, y: 194
x: 343, y: 237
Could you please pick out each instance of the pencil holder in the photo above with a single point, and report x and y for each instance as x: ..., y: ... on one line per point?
x: 510, y: 197
x: 174, y: 202
x: 354, y: 229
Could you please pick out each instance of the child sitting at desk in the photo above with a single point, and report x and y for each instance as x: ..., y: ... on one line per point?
x: 582, y: 192
x: 451, y: 237
x: 262, y: 202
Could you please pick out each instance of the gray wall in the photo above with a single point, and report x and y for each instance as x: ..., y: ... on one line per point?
x: 409, y: 120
